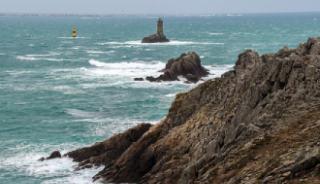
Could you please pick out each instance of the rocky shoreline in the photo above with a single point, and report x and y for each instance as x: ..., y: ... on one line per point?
x: 259, y: 123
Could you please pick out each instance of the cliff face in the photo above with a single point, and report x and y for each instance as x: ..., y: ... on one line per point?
x: 259, y: 123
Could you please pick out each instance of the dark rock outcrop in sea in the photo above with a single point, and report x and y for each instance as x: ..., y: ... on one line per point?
x: 155, y: 38
x: 53, y: 155
x: 159, y: 36
x: 259, y: 123
x: 188, y: 65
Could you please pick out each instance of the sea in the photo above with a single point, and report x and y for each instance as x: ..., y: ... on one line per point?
x: 60, y: 93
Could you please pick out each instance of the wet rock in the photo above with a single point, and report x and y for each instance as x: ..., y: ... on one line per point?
x: 138, y: 79
x: 53, y: 155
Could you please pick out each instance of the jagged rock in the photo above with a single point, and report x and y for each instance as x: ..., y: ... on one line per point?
x: 155, y: 38
x: 187, y: 65
x: 53, y: 155
x: 104, y: 153
x: 257, y: 124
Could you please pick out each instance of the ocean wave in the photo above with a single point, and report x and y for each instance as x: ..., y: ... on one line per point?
x: 68, y: 90
x: 53, y: 171
x: 100, y: 52
x: 121, y: 74
x: 30, y: 58
x: 129, y: 69
x: 171, y: 43
x: 214, y: 34
x: 218, y: 70
x: 42, y: 86
x: 112, y: 127
x: 171, y: 95
x: 81, y: 113
x: 40, y: 57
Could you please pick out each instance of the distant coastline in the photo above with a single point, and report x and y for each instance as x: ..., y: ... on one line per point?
x: 156, y: 15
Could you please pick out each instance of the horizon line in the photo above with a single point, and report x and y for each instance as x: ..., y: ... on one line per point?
x: 153, y: 14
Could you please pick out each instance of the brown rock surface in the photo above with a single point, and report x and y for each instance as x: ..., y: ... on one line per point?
x: 259, y: 123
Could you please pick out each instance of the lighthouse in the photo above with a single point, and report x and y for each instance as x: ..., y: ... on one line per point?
x: 160, y: 27
x: 159, y: 36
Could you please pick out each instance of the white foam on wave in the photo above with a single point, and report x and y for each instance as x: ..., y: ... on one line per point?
x: 121, y: 75
x: 40, y: 57
x: 107, y: 126
x: 30, y: 58
x: 171, y: 43
x: 214, y: 33
x: 81, y: 113
x: 170, y: 95
x: 128, y: 69
x: 43, y: 86
x: 100, y: 52
x: 56, y: 171
x: 218, y: 70
x: 68, y: 90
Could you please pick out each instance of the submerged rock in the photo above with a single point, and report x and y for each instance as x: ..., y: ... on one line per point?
x: 258, y: 123
x: 188, y: 65
x: 138, y: 79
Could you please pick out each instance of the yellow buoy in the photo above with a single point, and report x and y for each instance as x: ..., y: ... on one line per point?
x: 74, y: 33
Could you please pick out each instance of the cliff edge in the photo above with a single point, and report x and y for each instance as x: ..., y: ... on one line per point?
x: 259, y: 123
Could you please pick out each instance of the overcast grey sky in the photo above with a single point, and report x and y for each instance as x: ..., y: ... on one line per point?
x: 156, y: 6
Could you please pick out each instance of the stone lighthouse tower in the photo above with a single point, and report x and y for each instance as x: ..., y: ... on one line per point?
x: 160, y: 27
x: 158, y: 37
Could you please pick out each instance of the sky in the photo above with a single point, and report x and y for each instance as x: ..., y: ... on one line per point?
x: 174, y: 7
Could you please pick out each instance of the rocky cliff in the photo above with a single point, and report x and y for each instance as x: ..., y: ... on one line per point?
x: 259, y: 123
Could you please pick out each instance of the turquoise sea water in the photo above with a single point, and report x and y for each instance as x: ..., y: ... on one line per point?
x: 62, y: 93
